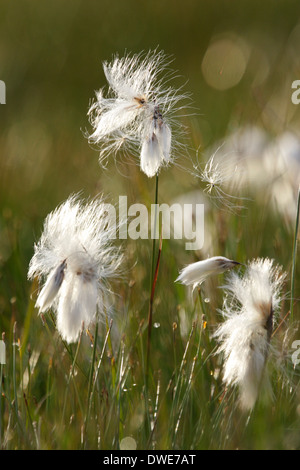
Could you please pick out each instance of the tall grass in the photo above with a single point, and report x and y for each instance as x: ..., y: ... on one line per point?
x: 151, y: 372
x: 94, y: 393
x: 294, y: 257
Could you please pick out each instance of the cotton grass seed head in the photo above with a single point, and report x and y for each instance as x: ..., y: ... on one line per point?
x: 196, y: 273
x: 77, y: 259
x: 138, y: 113
x: 217, y: 175
x: 244, y: 338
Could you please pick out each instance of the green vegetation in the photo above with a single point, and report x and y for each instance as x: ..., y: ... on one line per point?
x: 92, y: 394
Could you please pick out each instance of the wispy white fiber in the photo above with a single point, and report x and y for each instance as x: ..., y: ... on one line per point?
x: 138, y: 111
x: 76, y: 257
x: 244, y: 337
x: 196, y: 273
x: 216, y: 175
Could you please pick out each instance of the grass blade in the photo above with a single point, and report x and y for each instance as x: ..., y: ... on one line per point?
x: 294, y: 257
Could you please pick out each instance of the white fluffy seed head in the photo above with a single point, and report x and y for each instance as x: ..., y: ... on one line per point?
x: 140, y: 103
x: 76, y: 256
x: 217, y: 175
x: 244, y: 337
x: 196, y: 273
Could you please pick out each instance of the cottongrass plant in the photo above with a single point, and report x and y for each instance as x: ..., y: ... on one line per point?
x: 138, y: 113
x: 76, y: 256
x: 196, y: 273
x: 244, y: 337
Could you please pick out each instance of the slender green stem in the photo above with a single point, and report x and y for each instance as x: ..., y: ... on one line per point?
x: 1, y: 373
x: 2, y: 362
x: 151, y: 281
x: 48, y: 386
x: 66, y: 346
x: 90, y: 384
x: 71, y: 376
x: 294, y: 257
x: 14, y: 369
x: 111, y: 353
x: 29, y: 417
x: 154, y: 233
x: 179, y: 384
x: 100, y: 360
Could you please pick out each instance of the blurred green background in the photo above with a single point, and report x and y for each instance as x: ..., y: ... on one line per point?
x: 238, y: 60
x: 51, y: 57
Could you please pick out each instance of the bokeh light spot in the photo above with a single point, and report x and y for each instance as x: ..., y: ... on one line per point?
x: 224, y: 63
x: 128, y: 443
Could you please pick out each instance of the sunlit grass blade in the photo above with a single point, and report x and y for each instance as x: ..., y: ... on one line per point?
x: 15, y: 345
x: 294, y: 257
x: 71, y: 377
x: 151, y: 308
x: 90, y: 385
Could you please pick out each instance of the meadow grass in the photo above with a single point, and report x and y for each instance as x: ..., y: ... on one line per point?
x: 92, y: 394
x: 150, y: 371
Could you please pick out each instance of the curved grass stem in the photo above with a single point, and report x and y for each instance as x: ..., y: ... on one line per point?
x: 294, y: 256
